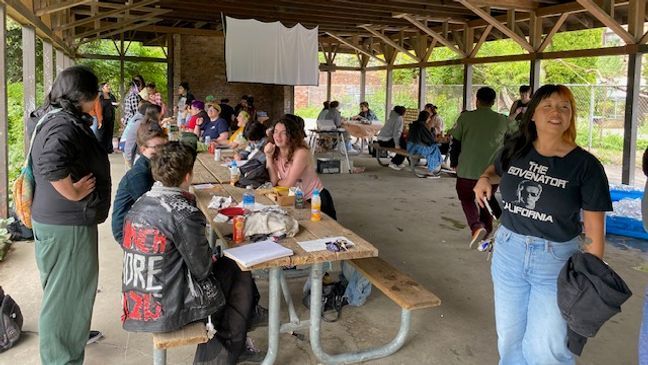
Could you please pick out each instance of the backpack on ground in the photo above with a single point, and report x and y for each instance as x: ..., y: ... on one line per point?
x: 11, y: 321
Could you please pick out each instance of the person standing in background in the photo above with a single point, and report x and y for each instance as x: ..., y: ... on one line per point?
x: 519, y: 107
x: 185, y: 98
x: 132, y: 99
x: 226, y: 111
x: 643, y: 334
x: 108, y: 101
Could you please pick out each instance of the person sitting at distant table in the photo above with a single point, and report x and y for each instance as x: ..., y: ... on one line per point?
x: 421, y: 141
x: 197, y: 111
x: 365, y: 113
x: 256, y: 137
x: 237, y: 139
x: 216, y: 128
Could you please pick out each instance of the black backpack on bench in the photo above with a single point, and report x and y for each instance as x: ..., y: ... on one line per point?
x: 11, y: 321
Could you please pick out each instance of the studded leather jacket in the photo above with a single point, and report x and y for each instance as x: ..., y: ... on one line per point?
x: 167, y: 280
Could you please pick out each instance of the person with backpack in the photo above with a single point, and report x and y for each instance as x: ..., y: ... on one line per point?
x: 71, y: 197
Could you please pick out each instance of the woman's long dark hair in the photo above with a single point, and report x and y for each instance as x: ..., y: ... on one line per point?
x: 295, y: 137
x: 520, y: 143
x: 73, y: 86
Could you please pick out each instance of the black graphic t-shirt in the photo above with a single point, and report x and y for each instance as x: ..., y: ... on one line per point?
x: 543, y: 196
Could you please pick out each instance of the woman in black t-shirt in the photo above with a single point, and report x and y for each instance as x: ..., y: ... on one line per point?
x: 546, y: 180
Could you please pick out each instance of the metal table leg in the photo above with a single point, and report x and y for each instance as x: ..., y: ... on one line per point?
x: 273, y: 316
x: 348, y: 358
x: 346, y: 153
x: 159, y: 356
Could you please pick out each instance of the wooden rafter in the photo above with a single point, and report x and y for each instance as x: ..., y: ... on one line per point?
x: 520, y: 5
x: 607, y: 20
x: 106, y: 14
x: 430, y: 50
x: 122, y: 30
x: 389, y: 41
x: 552, y: 32
x: 125, y: 23
x: 481, y: 41
x: 440, y: 38
x: 497, y: 24
x: 60, y: 6
x: 355, y: 46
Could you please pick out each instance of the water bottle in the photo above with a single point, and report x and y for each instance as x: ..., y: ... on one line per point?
x: 316, y: 205
x: 248, y: 198
x: 299, y: 195
x: 235, y: 173
x: 207, y: 140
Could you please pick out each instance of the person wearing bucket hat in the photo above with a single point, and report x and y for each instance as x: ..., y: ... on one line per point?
x: 216, y: 128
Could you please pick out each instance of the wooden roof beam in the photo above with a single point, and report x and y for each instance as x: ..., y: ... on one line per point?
x: 519, y: 5
x: 607, y: 20
x: 441, y: 39
x: 106, y: 14
x: 389, y: 41
x: 121, y: 30
x: 60, y: 6
x: 355, y: 46
x: 497, y: 24
x: 482, y: 40
x: 122, y: 24
x: 547, y: 39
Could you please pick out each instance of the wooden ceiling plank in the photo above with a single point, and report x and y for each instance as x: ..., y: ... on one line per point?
x: 607, y: 20
x: 122, y: 24
x: 106, y: 14
x: 355, y: 47
x: 495, y: 23
x: 63, y: 5
x: 520, y: 5
x: 122, y: 30
x: 481, y: 41
x: 389, y: 41
x: 552, y: 32
x: 443, y: 40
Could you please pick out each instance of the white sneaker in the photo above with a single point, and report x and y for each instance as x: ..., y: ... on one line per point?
x: 396, y: 167
x: 352, y: 151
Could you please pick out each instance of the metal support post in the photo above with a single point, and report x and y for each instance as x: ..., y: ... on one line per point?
x: 273, y: 316
x: 467, y: 87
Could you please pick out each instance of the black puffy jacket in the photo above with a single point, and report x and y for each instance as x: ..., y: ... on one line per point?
x: 65, y: 146
x: 166, y: 279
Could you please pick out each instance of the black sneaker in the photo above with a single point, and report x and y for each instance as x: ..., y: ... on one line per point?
x: 259, y: 317
x: 251, y: 357
x: 94, y: 337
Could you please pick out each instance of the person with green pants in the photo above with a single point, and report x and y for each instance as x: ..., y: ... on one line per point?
x: 71, y: 197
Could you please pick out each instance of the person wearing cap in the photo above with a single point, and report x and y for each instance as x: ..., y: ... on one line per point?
x: 216, y: 128
x: 436, y: 121
x: 197, y: 111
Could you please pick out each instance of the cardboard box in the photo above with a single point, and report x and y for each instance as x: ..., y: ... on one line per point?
x: 281, y: 198
x: 328, y: 166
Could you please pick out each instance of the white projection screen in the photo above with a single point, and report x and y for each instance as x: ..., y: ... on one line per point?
x: 270, y: 53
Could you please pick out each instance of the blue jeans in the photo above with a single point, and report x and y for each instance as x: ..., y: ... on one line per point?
x: 432, y: 155
x: 530, y: 329
x: 643, y: 334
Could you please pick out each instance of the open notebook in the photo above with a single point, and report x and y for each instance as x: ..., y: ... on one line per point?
x: 257, y: 252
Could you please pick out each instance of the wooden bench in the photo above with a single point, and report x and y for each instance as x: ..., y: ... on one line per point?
x: 413, y: 159
x: 396, y: 285
x: 191, y: 334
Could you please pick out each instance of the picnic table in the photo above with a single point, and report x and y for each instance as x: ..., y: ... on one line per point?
x: 408, y: 294
x: 362, y: 131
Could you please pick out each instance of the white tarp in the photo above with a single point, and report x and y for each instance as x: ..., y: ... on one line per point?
x: 270, y: 53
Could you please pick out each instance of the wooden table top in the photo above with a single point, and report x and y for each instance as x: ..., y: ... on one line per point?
x: 308, y: 230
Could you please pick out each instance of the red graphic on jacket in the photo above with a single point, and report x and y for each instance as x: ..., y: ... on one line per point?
x: 143, y: 256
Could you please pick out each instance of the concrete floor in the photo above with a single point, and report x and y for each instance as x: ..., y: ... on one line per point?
x: 416, y: 224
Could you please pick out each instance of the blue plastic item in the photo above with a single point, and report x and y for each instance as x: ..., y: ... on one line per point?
x: 624, y: 226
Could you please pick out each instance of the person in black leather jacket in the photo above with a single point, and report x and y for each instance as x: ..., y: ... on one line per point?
x: 170, y: 277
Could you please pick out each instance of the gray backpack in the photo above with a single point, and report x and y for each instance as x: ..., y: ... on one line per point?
x: 11, y: 321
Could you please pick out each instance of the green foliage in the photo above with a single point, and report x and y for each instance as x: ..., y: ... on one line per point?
x: 308, y: 112
x: 15, y: 128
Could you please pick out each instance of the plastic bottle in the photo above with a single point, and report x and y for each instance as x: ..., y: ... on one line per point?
x: 299, y: 195
x: 207, y: 140
x: 248, y: 198
x: 316, y: 204
x: 235, y: 173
